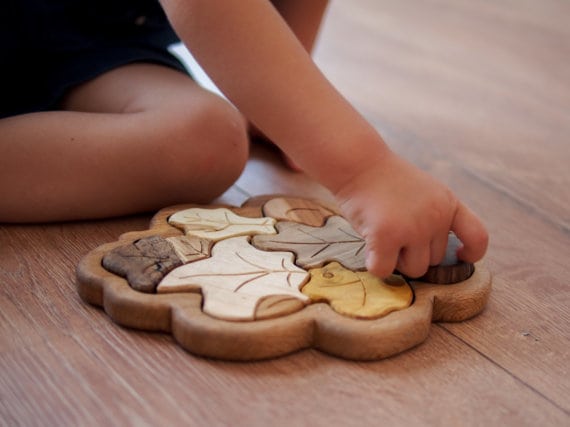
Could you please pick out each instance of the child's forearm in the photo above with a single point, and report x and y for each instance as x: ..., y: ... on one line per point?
x: 303, y: 18
x: 259, y: 64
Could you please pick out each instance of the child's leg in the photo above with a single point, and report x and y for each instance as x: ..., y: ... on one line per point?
x: 136, y: 138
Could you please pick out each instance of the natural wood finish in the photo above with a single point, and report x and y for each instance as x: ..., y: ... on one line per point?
x: 316, y: 246
x: 144, y: 262
x: 315, y: 326
x: 237, y: 279
x: 189, y: 248
x: 449, y: 274
x: 299, y: 210
x: 218, y: 224
x: 451, y: 269
x: 475, y: 92
x: 357, y: 294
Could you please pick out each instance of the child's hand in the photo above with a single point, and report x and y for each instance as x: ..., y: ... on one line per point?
x: 405, y: 216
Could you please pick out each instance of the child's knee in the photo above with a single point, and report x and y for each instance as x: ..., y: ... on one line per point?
x: 207, y: 145
x: 223, y: 130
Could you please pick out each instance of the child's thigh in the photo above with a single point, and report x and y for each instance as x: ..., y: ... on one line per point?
x: 137, y: 87
x: 168, y: 107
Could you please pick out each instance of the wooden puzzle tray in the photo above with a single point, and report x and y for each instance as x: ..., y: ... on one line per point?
x: 276, y: 275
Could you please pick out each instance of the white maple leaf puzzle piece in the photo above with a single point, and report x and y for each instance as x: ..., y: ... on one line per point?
x: 219, y: 224
x: 237, y: 277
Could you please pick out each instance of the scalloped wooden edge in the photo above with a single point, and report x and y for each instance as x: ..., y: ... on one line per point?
x: 316, y: 326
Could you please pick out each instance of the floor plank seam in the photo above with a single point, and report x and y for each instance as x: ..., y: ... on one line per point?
x: 512, y: 375
x: 413, y: 139
x: 530, y: 209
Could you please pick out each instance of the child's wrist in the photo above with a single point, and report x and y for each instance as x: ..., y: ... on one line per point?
x: 355, y: 161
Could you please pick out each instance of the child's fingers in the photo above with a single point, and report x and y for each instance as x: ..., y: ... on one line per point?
x: 437, y: 248
x: 472, y: 234
x: 381, y: 263
x: 414, y: 260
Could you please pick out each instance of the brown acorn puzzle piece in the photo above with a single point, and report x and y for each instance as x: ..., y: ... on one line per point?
x: 146, y: 261
x: 274, y: 276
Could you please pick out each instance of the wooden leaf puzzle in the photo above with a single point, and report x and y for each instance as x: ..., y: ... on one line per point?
x: 276, y: 275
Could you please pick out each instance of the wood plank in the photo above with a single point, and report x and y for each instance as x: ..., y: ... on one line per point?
x: 265, y: 173
x: 114, y: 376
x: 484, y: 83
x: 38, y: 298
x: 520, y: 303
x: 37, y: 275
x: 526, y: 327
x: 475, y: 92
x: 485, y: 112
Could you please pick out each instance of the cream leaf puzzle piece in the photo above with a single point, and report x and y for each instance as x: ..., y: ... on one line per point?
x: 218, y: 224
x: 222, y: 297
x: 236, y: 277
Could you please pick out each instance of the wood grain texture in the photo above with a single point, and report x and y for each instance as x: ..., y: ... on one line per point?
x: 144, y: 262
x: 336, y: 241
x: 316, y: 326
x: 203, y: 302
x: 451, y: 269
x: 235, y: 279
x: 357, y: 294
x: 220, y: 223
x: 300, y: 210
x: 190, y: 249
x: 474, y: 92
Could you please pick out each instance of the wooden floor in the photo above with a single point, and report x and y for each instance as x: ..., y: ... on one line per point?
x: 478, y: 93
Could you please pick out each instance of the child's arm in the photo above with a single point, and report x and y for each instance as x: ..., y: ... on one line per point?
x: 259, y: 64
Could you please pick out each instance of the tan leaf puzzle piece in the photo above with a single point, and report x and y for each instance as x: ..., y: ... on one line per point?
x: 225, y: 285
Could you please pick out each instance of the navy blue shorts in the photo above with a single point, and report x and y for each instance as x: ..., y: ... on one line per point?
x: 49, y: 46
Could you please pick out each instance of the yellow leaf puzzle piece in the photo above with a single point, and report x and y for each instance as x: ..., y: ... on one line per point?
x: 357, y: 293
